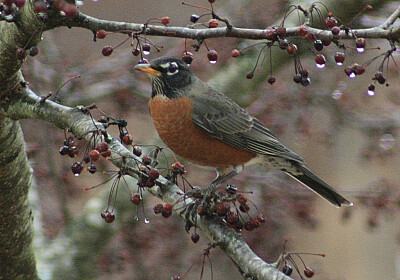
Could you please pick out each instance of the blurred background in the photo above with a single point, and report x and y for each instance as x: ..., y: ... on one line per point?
x: 347, y: 136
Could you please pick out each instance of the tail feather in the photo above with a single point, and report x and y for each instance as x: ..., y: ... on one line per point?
x: 311, y: 181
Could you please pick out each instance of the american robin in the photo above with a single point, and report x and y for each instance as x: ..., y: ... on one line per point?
x: 201, y: 124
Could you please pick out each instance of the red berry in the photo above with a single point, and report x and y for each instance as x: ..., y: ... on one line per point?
x: 335, y: 30
x: 135, y: 52
x: 136, y: 199
x: 339, y: 58
x: 137, y: 151
x: 146, y: 49
x: 320, y: 60
x: 94, y: 155
x: 64, y: 150
x: 271, y: 34
x: 308, y: 272
x: 187, y: 57
x: 195, y: 237
x: 77, y: 168
x: 154, y: 174
x: 297, y: 78
x: 358, y: 69
x: 102, y: 147
x: 109, y: 217
x: 212, y: 56
x: 222, y: 208
x: 292, y: 49
x: 107, y: 51
x: 165, y: 20
x: 379, y: 77
x: 271, y: 80
x: 168, y: 207
x: 92, y: 169
x: 101, y: 34
x: 146, y: 160
x: 213, y: 23
x: 281, y: 31
x: 302, y: 31
x: 235, y: 53
x: 127, y: 139
x: 330, y: 22
x: 232, y: 218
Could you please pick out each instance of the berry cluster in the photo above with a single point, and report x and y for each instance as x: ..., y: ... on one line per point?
x: 230, y: 205
x: 287, y: 258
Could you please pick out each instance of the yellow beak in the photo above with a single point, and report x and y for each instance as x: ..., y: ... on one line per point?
x: 146, y: 68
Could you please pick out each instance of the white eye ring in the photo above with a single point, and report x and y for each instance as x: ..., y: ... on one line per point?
x: 172, y: 68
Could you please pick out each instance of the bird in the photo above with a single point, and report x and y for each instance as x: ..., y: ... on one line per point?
x: 204, y: 126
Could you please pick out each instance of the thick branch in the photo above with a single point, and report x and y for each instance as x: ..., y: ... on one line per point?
x: 94, y: 24
x: 29, y: 105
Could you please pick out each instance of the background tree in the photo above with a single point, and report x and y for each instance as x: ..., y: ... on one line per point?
x: 22, y: 28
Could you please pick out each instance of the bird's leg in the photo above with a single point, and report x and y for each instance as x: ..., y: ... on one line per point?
x: 223, y: 175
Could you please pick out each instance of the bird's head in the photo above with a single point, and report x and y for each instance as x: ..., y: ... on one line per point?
x: 169, y: 76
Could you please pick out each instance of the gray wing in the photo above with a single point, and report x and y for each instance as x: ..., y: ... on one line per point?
x: 225, y: 120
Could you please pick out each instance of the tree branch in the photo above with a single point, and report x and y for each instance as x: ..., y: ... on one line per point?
x: 94, y: 24
x: 26, y: 104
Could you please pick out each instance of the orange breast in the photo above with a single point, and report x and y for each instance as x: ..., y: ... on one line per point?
x: 173, y: 121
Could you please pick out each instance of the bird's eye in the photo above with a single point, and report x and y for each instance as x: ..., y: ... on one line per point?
x: 173, y: 68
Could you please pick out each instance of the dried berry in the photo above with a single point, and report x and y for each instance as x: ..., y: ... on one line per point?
x: 77, y: 168
x: 318, y: 45
x: 165, y: 20
x: 94, y: 155
x: 194, y: 18
x: 154, y: 174
x: 213, y: 23
x: 195, y: 237
x: 101, y: 34
x: 235, y: 53
x: 339, y: 58
x: 92, y: 169
x: 187, y: 57
x: 137, y: 151
x: 330, y: 22
x: 136, y: 199
x: 302, y: 31
x: 335, y: 30
x: 107, y: 51
x: 281, y: 31
x: 308, y: 272
x: 212, y: 56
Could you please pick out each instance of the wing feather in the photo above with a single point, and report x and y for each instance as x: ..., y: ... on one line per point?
x: 225, y: 120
